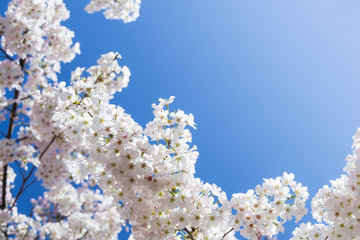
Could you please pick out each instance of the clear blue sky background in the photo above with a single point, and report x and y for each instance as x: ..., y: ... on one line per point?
x: 273, y: 85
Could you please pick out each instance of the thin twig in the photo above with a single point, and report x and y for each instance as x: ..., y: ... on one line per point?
x: 22, y: 174
x: 21, y: 99
x: 2, y: 133
x: 83, y: 237
x: 47, y: 147
x: 6, y: 55
x: 21, y: 123
x: 29, y: 96
x: 23, y: 187
x: 30, y: 183
x: 227, y: 233
x: 20, y: 139
x: 21, y: 190
x: 30, y: 215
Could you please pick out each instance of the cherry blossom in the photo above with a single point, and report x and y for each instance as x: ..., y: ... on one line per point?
x: 102, y: 170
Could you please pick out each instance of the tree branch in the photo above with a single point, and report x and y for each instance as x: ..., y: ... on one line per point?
x: 189, y: 233
x: 6, y: 55
x: 8, y: 136
x: 22, y: 174
x: 10, y: 130
x: 23, y: 187
x: 20, y: 139
x: 2, y: 133
x: 83, y: 237
x: 30, y: 183
x: 47, y: 147
x: 227, y: 233
x: 27, y: 97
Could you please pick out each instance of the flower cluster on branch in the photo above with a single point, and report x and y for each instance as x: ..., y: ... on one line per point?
x: 102, y: 170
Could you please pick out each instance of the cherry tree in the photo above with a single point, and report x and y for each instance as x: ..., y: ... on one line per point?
x: 102, y: 170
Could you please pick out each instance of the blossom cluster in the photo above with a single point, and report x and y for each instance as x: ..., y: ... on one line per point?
x: 33, y: 28
x: 337, y: 207
x: 150, y: 172
x: 65, y: 213
x: 154, y: 184
x: 71, y: 213
x: 264, y: 212
x: 70, y: 136
x: 126, y: 10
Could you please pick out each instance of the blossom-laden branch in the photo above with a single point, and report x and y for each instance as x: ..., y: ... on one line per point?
x: 23, y: 186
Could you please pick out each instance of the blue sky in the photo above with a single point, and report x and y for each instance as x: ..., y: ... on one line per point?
x: 273, y: 85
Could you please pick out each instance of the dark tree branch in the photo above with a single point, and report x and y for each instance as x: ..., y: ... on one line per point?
x: 8, y: 136
x: 10, y: 130
x: 189, y: 233
x: 20, y: 139
x: 23, y: 187
x: 27, y: 97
